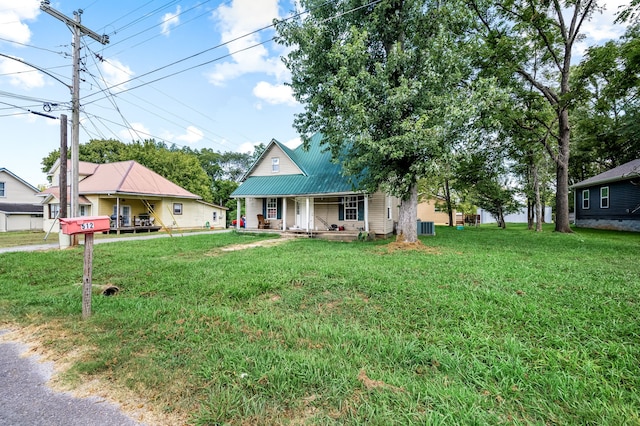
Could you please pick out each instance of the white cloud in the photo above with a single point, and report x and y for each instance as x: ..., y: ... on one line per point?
x: 12, y: 13
x: 192, y: 136
x: 248, y: 147
x: 601, y: 28
x: 293, y: 143
x: 115, y: 73
x: 21, y: 75
x: 170, y: 20
x: 274, y: 94
x: 138, y: 131
x: 238, y: 19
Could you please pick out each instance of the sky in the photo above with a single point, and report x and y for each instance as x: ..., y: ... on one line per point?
x: 198, y: 74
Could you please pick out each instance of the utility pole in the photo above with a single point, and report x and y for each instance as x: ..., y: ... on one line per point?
x: 78, y: 31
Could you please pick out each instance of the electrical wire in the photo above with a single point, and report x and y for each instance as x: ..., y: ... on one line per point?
x: 221, y: 45
x: 154, y: 26
x: 65, y: 54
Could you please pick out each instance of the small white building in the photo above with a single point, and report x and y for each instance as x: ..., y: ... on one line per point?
x: 518, y: 217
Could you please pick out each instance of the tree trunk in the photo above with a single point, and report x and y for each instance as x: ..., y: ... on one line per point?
x: 447, y: 194
x: 408, y: 217
x: 530, y: 214
x: 562, y: 174
x: 538, y: 204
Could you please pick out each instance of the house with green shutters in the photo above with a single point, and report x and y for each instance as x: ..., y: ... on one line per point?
x: 298, y: 190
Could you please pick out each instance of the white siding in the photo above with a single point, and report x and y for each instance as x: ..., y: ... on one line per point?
x: 16, y: 191
x: 287, y: 167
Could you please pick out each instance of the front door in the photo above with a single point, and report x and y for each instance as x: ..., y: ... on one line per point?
x: 302, y: 215
x: 299, y: 208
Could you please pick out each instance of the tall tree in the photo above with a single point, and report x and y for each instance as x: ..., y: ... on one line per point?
x: 382, y: 81
x: 484, y: 174
x: 607, y: 125
x: 532, y: 42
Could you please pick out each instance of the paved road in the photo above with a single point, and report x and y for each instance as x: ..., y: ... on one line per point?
x: 25, y: 399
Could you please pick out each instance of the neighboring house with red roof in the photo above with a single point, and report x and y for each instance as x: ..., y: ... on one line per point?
x: 135, y: 197
x: 304, y: 191
x: 610, y: 200
x: 19, y: 206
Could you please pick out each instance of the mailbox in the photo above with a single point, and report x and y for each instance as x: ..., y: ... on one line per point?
x: 84, y: 224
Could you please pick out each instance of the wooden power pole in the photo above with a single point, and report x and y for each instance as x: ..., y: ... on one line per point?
x: 78, y: 31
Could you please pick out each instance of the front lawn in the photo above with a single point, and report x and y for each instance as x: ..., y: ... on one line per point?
x: 483, y: 326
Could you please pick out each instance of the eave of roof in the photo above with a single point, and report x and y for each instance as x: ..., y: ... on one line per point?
x: 20, y: 208
x: 18, y: 178
x: 623, y: 172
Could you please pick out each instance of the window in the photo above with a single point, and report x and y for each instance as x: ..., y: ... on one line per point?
x: 54, y: 210
x: 585, y: 199
x: 177, y: 208
x: 272, y: 208
x: 604, y: 197
x: 215, y: 216
x: 389, y: 208
x: 351, y: 208
x: 275, y: 165
x: 2, y: 194
x: 84, y: 210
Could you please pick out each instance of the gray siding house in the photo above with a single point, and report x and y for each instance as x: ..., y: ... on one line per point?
x: 610, y: 200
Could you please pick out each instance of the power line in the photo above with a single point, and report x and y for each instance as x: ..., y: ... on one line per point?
x: 156, y: 25
x: 36, y: 47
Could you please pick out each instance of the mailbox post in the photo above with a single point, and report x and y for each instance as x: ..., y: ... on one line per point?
x: 86, y: 225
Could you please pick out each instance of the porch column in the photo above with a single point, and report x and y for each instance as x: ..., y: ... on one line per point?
x: 366, y: 213
x: 284, y: 213
x: 308, y: 214
x: 118, y: 215
x: 238, y: 210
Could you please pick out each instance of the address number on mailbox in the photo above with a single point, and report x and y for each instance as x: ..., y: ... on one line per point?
x: 84, y: 224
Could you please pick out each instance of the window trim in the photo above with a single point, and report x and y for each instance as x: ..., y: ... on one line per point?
x: 271, y: 209
x: 54, y: 210
x: 275, y: 164
x: 351, y: 208
x: 603, y: 198
x: 3, y: 189
x: 585, y: 199
x: 177, y: 208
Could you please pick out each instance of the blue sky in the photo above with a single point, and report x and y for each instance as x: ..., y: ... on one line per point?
x: 214, y: 96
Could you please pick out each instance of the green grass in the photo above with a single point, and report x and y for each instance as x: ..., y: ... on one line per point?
x: 489, y: 326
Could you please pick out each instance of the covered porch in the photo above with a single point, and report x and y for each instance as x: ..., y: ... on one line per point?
x: 296, y: 215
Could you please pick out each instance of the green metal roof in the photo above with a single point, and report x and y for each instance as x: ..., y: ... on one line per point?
x: 321, y: 175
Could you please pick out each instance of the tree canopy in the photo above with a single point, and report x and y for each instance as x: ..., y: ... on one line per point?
x: 384, y: 82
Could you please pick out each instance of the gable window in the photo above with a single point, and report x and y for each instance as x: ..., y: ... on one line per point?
x: 54, y: 210
x: 585, y: 199
x: 604, y: 197
x: 2, y: 194
x: 351, y: 208
x: 275, y: 165
x: 272, y: 208
x: 177, y: 208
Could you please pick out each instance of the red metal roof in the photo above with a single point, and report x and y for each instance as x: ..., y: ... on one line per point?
x: 127, y: 177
